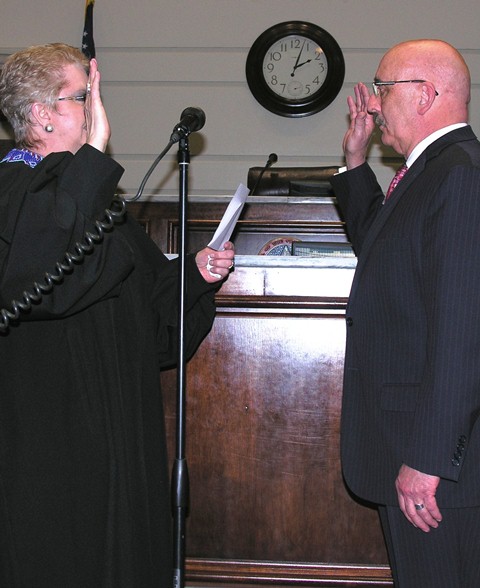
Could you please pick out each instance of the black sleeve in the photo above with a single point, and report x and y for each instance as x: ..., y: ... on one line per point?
x: 66, y: 194
x: 359, y: 196
x: 199, y: 310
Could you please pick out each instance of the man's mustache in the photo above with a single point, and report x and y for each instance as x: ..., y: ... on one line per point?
x: 379, y: 120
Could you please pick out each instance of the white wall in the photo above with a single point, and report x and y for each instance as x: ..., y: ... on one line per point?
x: 158, y: 57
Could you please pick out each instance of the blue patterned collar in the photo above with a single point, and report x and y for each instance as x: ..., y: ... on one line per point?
x: 29, y: 158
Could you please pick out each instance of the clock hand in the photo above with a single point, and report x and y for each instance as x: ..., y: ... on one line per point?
x: 298, y: 59
x: 303, y: 63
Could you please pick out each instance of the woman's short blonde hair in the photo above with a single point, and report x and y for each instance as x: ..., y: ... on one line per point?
x: 35, y: 74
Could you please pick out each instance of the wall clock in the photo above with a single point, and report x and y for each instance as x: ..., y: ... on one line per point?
x: 295, y: 69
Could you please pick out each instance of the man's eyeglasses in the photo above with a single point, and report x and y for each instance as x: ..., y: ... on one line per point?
x: 79, y: 99
x: 377, y: 85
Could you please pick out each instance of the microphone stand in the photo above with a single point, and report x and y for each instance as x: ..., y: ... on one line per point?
x: 192, y: 119
x: 272, y: 158
x: 180, y: 480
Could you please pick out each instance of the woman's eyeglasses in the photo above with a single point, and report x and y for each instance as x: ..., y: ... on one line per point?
x: 79, y: 99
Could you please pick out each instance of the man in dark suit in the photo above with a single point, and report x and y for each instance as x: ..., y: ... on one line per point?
x: 411, y: 404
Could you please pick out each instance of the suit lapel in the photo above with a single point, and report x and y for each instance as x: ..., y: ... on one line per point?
x: 382, y: 216
x: 458, y: 135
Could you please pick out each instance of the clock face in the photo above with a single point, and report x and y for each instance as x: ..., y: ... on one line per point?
x: 295, y: 67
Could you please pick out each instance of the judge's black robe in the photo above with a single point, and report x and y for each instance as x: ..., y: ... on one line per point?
x: 84, y: 481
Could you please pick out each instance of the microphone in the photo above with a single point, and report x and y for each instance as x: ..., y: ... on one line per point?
x: 272, y: 158
x: 192, y: 119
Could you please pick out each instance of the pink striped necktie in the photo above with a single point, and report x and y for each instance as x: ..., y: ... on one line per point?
x: 396, y: 180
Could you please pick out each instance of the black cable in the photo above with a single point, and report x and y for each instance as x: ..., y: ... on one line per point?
x: 147, y: 175
x: 90, y: 240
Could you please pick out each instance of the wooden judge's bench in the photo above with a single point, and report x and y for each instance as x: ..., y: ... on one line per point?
x: 268, y: 506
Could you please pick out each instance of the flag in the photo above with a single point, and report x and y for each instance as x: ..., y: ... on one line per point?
x: 88, y: 44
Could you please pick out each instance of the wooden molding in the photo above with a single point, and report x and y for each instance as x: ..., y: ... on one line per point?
x: 260, y: 573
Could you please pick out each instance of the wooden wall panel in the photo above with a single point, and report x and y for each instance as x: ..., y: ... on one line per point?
x: 263, y: 413
x: 261, y: 220
x: 268, y: 505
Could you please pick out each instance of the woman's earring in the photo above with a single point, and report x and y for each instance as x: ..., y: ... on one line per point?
x: 49, y: 128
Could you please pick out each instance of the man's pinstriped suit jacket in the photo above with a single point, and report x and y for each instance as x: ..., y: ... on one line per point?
x: 412, y: 366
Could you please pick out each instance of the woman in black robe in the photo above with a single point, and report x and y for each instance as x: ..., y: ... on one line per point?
x: 84, y: 481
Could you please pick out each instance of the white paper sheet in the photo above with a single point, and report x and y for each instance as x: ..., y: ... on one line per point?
x: 229, y: 219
